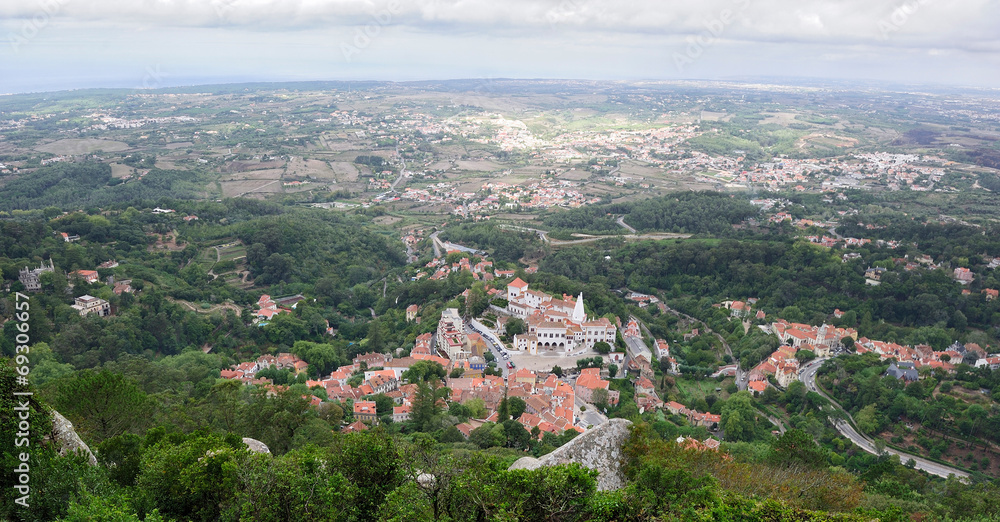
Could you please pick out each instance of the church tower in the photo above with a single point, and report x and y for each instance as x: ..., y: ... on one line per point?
x: 579, y: 316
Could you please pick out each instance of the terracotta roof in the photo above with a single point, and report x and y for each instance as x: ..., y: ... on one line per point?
x: 518, y: 283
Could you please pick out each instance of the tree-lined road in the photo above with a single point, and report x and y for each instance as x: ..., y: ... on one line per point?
x: 808, y: 376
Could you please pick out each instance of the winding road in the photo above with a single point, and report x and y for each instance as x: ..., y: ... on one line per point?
x: 588, y: 238
x: 621, y: 221
x: 808, y: 376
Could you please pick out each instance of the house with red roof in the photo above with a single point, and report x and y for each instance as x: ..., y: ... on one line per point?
x: 87, y: 276
x: 401, y: 413
x: 365, y: 411
x: 355, y: 426
x: 589, y: 381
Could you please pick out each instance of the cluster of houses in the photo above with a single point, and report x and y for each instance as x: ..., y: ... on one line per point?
x: 246, y: 372
x: 549, y: 401
x: 921, y: 355
x: 644, y: 300
x: 694, y: 417
x: 742, y: 309
x: 482, y: 270
x: 267, y: 307
x: 782, y: 364
x: 30, y: 278
x: 822, y: 340
x: 554, y: 324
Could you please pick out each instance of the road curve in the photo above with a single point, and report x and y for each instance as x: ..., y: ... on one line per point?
x: 621, y: 221
x: 808, y: 376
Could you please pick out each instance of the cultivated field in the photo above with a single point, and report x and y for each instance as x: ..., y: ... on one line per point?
x: 75, y: 147
x: 316, y: 169
x: 120, y: 171
x: 232, y: 189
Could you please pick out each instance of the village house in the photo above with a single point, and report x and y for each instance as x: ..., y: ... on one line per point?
x: 354, y: 427
x: 411, y: 313
x: 903, y: 371
x: 87, y: 304
x: 267, y: 309
x: 372, y: 360
x: 401, y: 413
x: 382, y: 381
x: 365, y: 411
x: 964, y: 276
x: 739, y: 309
x: 87, y: 276
x: 589, y: 381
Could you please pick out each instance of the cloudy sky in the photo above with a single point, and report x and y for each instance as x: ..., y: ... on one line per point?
x: 60, y: 44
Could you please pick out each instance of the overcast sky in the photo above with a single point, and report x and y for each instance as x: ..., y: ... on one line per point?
x: 61, y: 44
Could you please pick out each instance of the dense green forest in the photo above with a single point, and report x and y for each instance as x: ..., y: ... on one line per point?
x: 684, y: 212
x: 89, y: 184
x: 502, y: 244
x: 208, y: 474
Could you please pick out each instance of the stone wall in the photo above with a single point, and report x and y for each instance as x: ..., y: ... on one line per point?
x: 599, y: 449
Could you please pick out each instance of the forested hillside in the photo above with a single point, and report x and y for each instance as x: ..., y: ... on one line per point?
x: 684, y: 212
x: 89, y: 184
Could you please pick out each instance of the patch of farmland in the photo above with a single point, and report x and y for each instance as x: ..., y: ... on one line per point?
x: 344, y: 171
x: 74, y: 146
x: 232, y: 189
x: 317, y: 169
x: 255, y: 174
x: 120, y: 171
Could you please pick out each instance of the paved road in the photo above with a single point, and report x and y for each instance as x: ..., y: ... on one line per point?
x: 780, y: 425
x: 437, y: 244
x: 589, y: 417
x: 808, y: 376
x: 501, y: 362
x: 621, y: 221
x: 588, y: 238
x: 402, y: 172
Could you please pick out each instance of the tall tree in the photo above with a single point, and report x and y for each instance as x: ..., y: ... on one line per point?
x: 739, y: 419
x: 102, y: 404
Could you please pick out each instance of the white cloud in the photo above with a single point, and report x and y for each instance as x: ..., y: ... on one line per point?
x: 927, y: 21
x: 958, y: 39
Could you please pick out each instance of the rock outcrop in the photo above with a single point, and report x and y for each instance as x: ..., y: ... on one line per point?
x: 256, y: 446
x: 67, y: 440
x: 598, y: 449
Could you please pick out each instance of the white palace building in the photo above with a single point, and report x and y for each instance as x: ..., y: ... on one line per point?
x: 554, y: 324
